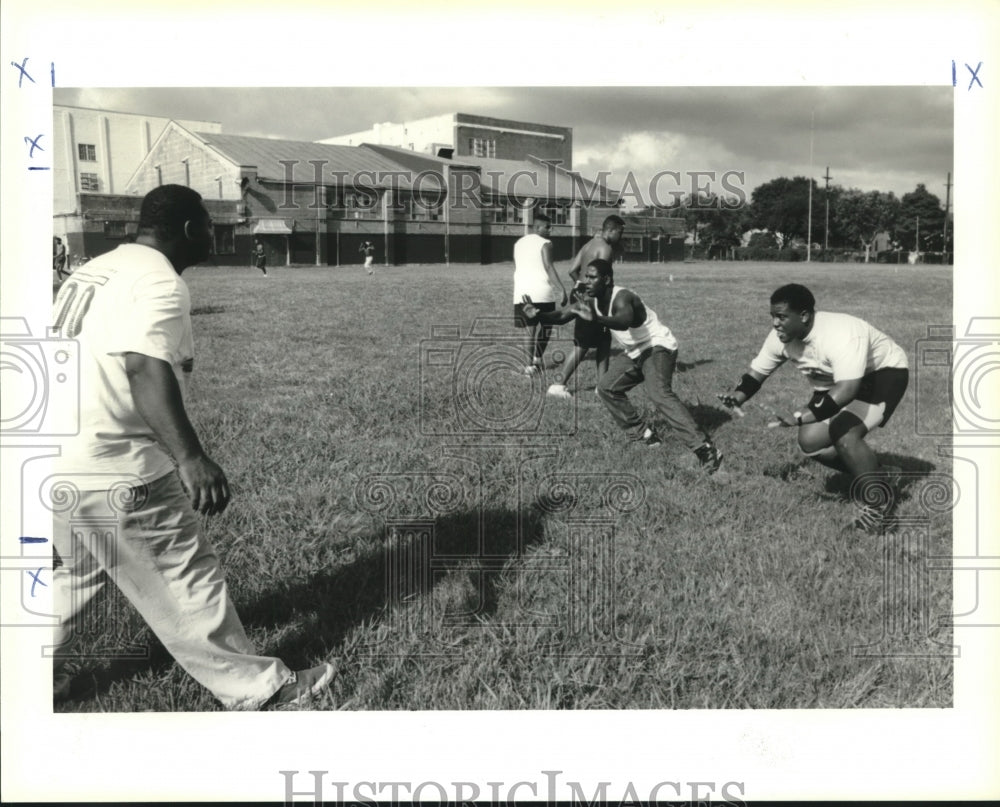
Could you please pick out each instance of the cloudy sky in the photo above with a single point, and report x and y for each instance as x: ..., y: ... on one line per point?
x: 872, y: 138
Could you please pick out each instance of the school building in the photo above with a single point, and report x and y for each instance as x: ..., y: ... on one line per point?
x: 315, y: 203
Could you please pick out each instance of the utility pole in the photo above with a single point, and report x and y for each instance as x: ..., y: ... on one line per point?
x: 947, y: 204
x: 917, y: 239
x: 826, y: 198
x: 809, y: 225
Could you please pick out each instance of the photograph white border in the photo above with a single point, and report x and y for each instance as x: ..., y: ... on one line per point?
x: 796, y: 754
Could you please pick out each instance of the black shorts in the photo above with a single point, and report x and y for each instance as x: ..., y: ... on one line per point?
x: 521, y: 321
x: 883, y: 388
x: 586, y: 334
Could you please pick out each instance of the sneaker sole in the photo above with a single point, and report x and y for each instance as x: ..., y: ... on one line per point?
x: 317, y: 687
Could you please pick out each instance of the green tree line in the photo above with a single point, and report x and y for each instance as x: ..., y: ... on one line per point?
x: 780, y: 208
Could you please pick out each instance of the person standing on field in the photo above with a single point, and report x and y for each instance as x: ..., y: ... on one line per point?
x: 589, y: 335
x: 59, y: 258
x: 260, y: 258
x: 368, y: 250
x: 536, y: 277
x: 138, y: 466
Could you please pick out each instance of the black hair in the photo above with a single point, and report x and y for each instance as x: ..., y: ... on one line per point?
x: 166, y: 208
x: 542, y: 217
x: 612, y: 221
x: 798, y: 297
x: 603, y: 267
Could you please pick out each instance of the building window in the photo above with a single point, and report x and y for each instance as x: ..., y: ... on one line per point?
x: 559, y: 214
x: 361, y: 204
x: 225, y: 239
x: 504, y: 211
x: 427, y: 207
x: 115, y: 229
x: 482, y: 147
x: 89, y: 182
x: 88, y: 153
x: 632, y: 243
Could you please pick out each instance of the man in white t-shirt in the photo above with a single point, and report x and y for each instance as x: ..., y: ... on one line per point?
x: 535, y: 278
x: 858, y: 375
x: 649, y: 358
x: 139, y: 472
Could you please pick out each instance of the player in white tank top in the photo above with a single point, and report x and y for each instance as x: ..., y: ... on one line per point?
x: 650, y: 359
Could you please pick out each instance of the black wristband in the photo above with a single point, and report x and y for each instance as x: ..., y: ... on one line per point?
x: 748, y: 385
x: 823, y: 406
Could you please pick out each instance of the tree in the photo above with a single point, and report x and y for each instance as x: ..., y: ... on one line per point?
x: 860, y: 216
x: 923, y: 205
x: 717, y: 222
x: 782, y: 207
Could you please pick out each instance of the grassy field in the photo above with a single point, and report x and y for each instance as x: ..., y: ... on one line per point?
x: 408, y: 505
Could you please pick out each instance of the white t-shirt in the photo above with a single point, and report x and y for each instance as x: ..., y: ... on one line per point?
x: 838, y: 348
x: 650, y: 333
x: 130, y: 300
x: 530, y: 276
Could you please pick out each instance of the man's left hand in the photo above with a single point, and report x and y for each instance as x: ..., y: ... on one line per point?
x: 779, y: 421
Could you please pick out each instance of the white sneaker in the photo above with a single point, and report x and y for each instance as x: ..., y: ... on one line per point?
x: 559, y: 391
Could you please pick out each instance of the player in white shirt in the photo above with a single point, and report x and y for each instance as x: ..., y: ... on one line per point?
x: 139, y: 472
x: 858, y: 375
x: 535, y: 277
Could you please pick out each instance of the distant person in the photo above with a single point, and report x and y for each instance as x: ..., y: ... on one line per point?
x: 589, y: 335
x: 368, y: 250
x: 260, y: 258
x: 59, y: 258
x: 130, y: 313
x: 858, y: 375
x: 649, y: 358
x: 536, y: 277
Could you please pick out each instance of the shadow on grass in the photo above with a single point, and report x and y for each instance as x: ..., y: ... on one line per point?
x: 316, y: 613
x: 685, y: 366
x: 838, y: 484
x: 709, y: 418
x: 400, y: 574
x: 207, y: 309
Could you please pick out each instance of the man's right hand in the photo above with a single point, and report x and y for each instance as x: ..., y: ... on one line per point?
x: 732, y: 399
x: 583, y: 310
x: 206, y: 484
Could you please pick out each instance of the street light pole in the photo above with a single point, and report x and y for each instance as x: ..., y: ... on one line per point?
x: 809, y: 226
x: 826, y: 198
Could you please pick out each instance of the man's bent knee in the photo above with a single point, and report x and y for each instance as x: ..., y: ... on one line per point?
x: 846, y: 426
x: 813, y: 438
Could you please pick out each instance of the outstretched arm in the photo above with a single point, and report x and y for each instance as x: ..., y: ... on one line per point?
x: 748, y: 386
x: 624, y: 312
x: 557, y: 317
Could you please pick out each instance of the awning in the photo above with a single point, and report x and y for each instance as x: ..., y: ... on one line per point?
x: 271, y: 227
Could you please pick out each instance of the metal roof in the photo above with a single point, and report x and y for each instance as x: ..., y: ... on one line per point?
x: 267, y: 156
x: 536, y: 180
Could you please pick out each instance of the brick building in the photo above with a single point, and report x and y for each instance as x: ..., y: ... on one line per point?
x: 315, y: 203
x: 468, y: 135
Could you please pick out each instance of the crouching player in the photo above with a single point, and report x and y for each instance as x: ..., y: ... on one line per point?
x: 858, y: 375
